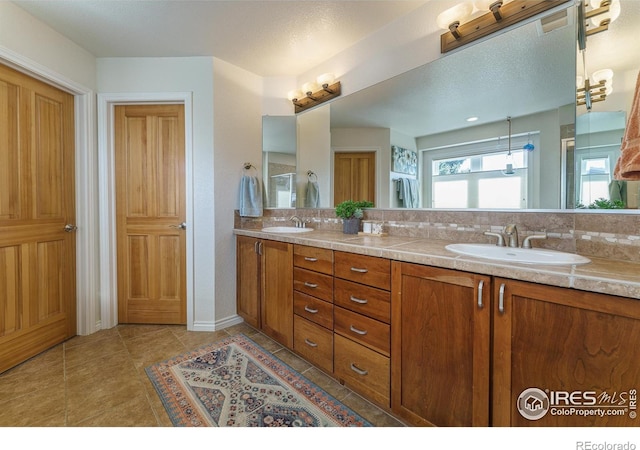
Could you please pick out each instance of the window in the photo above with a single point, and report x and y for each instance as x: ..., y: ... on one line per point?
x: 594, y: 167
x: 482, y: 175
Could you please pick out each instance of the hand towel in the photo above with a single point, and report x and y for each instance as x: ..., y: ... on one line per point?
x: 250, y: 196
x: 618, y: 191
x: 408, y: 191
x: 312, y: 199
x: 628, y: 164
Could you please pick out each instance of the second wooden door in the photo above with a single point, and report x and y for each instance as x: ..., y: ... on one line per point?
x: 150, y: 204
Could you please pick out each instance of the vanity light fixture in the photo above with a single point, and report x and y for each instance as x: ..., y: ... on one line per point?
x: 316, y: 92
x: 594, y: 89
x: 601, y: 13
x: 500, y: 15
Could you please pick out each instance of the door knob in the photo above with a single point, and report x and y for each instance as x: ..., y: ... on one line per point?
x: 182, y: 226
x: 69, y: 228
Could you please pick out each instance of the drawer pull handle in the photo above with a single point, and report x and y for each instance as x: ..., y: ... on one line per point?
x: 358, y: 371
x: 309, y: 343
x: 310, y: 285
x: 480, y: 286
x: 501, y: 299
x: 355, y: 330
x: 307, y: 258
x: 355, y: 269
x: 358, y: 300
x: 309, y: 310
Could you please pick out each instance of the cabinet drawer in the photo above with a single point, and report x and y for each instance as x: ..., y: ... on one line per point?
x: 362, y: 369
x: 313, y: 283
x: 313, y: 309
x: 368, y: 270
x: 372, y: 333
x: 313, y: 258
x: 371, y: 302
x: 313, y: 343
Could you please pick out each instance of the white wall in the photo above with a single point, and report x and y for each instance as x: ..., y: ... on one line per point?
x: 26, y: 37
x: 237, y: 125
x: 159, y: 75
x: 314, y: 153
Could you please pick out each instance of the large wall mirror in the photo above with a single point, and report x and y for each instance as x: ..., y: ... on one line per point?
x: 530, y: 146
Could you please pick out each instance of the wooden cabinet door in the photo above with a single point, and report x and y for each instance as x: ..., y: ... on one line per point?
x: 561, y: 356
x: 440, y: 322
x: 37, y: 200
x: 248, y: 280
x: 276, y: 308
x: 150, y: 211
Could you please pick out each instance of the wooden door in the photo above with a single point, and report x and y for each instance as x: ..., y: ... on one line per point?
x: 37, y: 200
x: 248, y: 280
x: 276, y: 307
x: 354, y: 176
x: 150, y: 210
x: 440, y: 354
x: 575, y: 354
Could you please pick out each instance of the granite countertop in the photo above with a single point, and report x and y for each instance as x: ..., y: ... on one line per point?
x: 606, y: 276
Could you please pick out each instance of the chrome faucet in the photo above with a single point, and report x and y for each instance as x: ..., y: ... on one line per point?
x: 297, y: 221
x: 512, y: 235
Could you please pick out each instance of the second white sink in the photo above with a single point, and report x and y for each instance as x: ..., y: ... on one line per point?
x: 518, y: 255
x: 286, y: 230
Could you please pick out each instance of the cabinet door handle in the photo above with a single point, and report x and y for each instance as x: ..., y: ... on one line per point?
x: 480, y: 285
x: 358, y: 300
x: 310, y: 310
x: 357, y: 370
x: 501, y: 299
x: 310, y: 285
x: 355, y: 269
x: 306, y: 258
x: 309, y: 343
x: 355, y: 330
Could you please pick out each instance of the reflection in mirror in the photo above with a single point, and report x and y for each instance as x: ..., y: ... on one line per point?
x: 527, y: 73
x: 279, y: 161
x: 426, y: 109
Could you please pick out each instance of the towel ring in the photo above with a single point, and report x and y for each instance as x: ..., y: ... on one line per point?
x: 247, y: 166
x: 312, y: 176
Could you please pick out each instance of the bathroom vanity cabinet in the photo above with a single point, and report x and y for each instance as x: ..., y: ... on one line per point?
x: 440, y: 356
x: 438, y: 346
x: 466, y: 347
x: 264, y: 281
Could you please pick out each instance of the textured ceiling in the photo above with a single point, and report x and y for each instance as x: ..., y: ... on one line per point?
x: 268, y: 37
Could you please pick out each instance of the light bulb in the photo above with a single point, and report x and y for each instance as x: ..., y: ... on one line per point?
x: 310, y: 87
x: 326, y: 79
x: 605, y: 75
x: 459, y: 13
x: 295, y: 95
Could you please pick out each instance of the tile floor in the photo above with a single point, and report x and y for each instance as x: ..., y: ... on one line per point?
x: 99, y: 380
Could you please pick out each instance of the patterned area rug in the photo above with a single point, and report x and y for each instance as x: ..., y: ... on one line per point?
x: 236, y: 383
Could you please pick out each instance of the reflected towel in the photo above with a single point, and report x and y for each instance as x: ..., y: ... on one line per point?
x: 618, y: 191
x: 628, y: 165
x: 408, y: 189
x: 250, y: 197
x: 312, y: 199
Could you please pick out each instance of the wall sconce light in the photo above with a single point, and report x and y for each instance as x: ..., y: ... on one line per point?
x: 595, y: 89
x: 601, y: 16
x: 316, y: 92
x: 500, y: 14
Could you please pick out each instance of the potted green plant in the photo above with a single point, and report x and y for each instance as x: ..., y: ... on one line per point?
x: 351, y: 213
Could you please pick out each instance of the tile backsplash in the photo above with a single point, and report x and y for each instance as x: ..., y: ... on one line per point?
x: 612, y: 235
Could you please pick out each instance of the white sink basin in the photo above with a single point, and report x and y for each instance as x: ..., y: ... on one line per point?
x: 286, y: 230
x: 518, y: 255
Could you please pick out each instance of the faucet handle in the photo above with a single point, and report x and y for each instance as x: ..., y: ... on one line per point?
x: 500, y: 237
x: 527, y: 241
